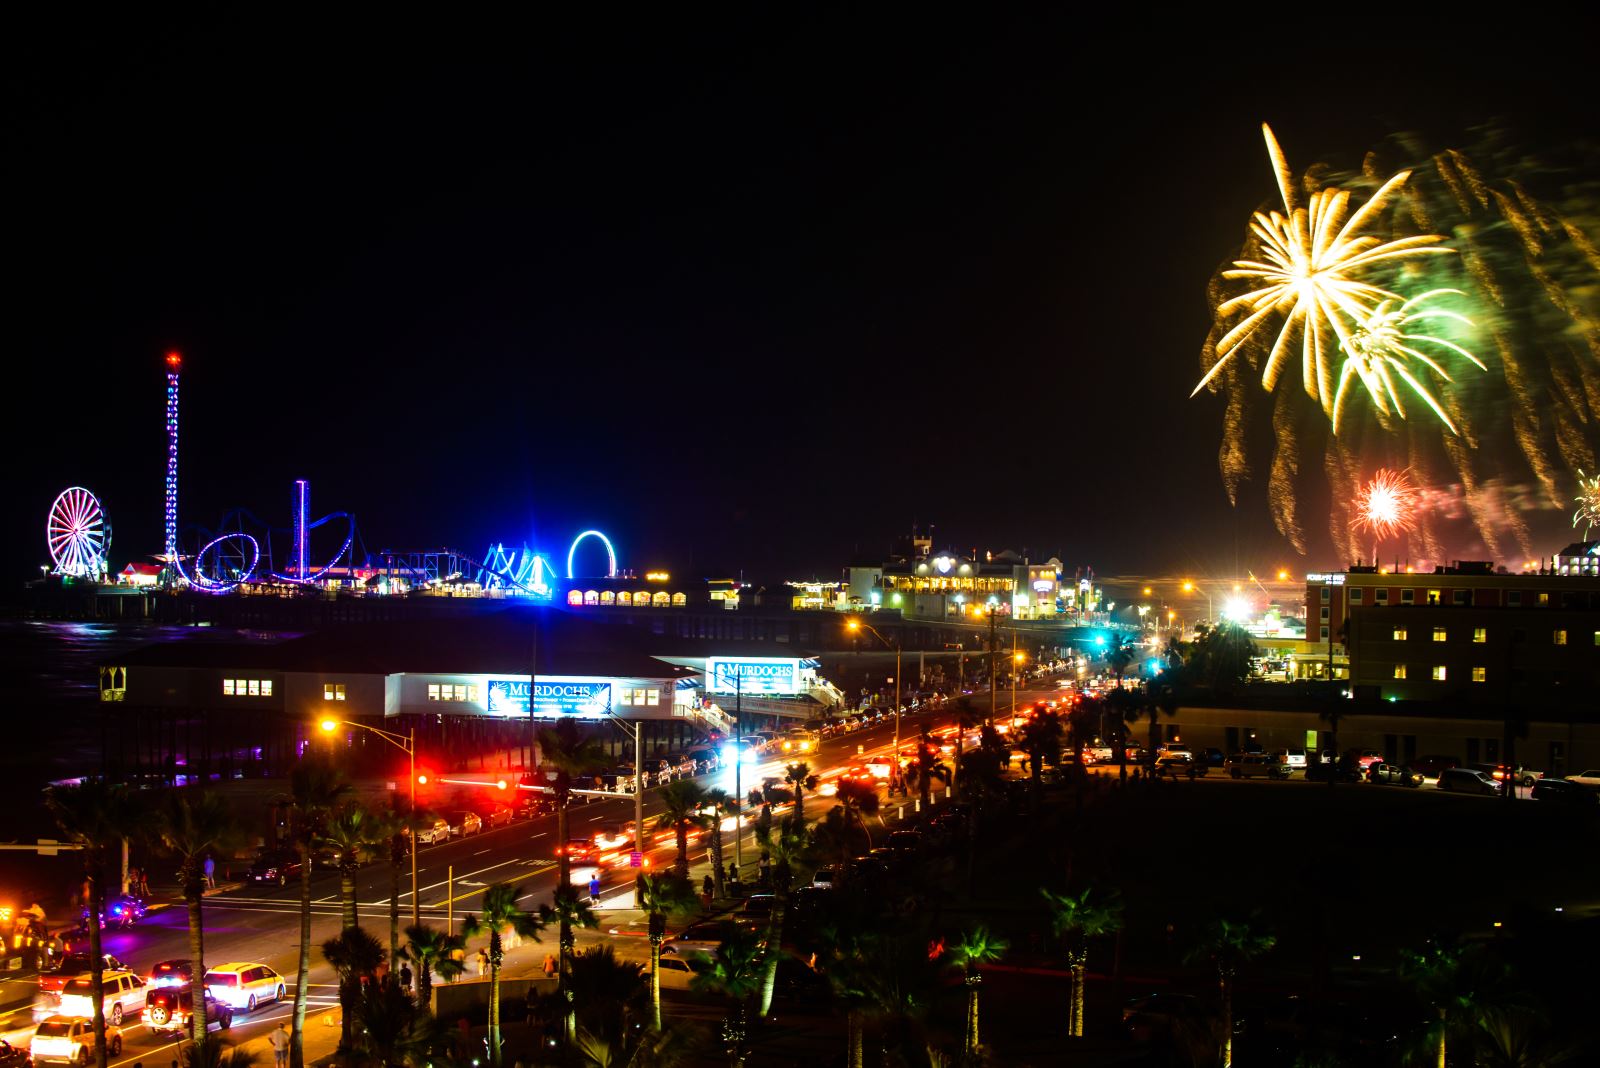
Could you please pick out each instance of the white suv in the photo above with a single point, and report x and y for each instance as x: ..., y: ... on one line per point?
x: 1255, y: 765
x: 70, y: 1040
x: 121, y: 994
x: 243, y: 986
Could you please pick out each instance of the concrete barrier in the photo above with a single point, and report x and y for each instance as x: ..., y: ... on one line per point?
x: 470, y: 997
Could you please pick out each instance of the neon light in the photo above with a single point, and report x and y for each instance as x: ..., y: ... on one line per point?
x: 611, y: 554
x: 302, y: 495
x: 528, y: 573
x: 206, y: 585
x: 78, y: 533
x: 171, y: 516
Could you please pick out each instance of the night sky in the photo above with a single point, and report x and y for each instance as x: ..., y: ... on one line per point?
x: 749, y: 297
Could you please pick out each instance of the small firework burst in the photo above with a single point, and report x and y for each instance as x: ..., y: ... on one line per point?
x: 1588, y: 502
x: 1386, y: 506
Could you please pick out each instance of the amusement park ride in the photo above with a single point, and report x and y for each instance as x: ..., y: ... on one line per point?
x: 79, y: 536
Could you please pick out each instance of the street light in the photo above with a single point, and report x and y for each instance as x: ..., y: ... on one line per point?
x: 1189, y: 587
x: 406, y: 743
x: 857, y: 625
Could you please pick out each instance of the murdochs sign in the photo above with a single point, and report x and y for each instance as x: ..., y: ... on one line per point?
x: 754, y: 675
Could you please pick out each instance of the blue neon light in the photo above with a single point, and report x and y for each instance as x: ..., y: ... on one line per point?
x: 611, y: 553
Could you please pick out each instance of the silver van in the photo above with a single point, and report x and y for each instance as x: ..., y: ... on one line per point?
x: 1468, y: 781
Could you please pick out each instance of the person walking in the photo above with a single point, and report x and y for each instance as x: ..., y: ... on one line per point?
x: 211, y: 872
x: 594, y: 890
x: 708, y: 887
x: 550, y: 965
x: 405, y: 978
x: 279, y: 1040
x: 763, y: 869
x: 483, y: 962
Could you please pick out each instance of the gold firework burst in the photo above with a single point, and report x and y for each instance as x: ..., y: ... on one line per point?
x: 1312, y: 255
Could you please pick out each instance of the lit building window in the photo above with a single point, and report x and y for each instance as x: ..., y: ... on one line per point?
x: 333, y: 691
x: 1597, y: 637
x: 679, y: 600
x: 247, y: 687
x: 1439, y: 634
x: 575, y: 597
x: 1480, y: 674
x: 1399, y: 634
x: 1439, y: 673
x: 662, y: 599
x: 433, y: 691
x: 1433, y: 596
x: 1561, y: 637
x: 607, y: 597
x: 1399, y: 671
x: 227, y: 687
x: 1480, y: 635
x: 255, y: 687
x: 1544, y: 598
x: 625, y: 599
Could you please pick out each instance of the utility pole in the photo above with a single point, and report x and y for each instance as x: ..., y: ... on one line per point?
x: 738, y: 767
x: 992, y: 622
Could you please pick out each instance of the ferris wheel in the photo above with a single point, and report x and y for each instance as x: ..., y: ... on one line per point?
x: 79, y: 534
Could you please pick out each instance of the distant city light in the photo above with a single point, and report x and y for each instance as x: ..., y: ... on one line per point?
x: 1236, y: 609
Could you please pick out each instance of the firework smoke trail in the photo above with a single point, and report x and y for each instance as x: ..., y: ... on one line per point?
x: 1530, y: 272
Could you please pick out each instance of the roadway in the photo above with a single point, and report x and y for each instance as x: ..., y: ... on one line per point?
x: 260, y: 924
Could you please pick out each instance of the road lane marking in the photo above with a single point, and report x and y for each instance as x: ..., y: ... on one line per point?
x: 480, y: 852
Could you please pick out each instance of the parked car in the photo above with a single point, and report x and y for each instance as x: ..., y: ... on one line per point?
x: 70, y: 1040
x: 1520, y: 775
x: 1255, y: 766
x: 275, y: 866
x: 535, y: 805
x: 1293, y: 758
x: 677, y: 973
x: 1587, y: 778
x: 1364, y: 758
x: 1468, y: 780
x: 1431, y: 766
x: 757, y: 907
x: 1346, y: 770
x: 705, y: 937
x: 824, y: 877
x: 243, y: 986
x: 495, y: 814
x: 430, y: 833
x: 167, y: 1012
x: 1177, y: 764
x: 464, y: 822
x: 1394, y: 775
x: 705, y: 757
x: 121, y: 994
x: 1565, y: 791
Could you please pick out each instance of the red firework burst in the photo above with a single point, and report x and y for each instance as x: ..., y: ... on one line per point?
x: 1387, y: 505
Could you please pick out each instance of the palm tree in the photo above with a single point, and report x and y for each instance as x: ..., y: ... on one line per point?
x: 1041, y: 739
x: 94, y: 815
x: 192, y: 825
x: 1453, y: 982
x: 393, y: 1029
x: 857, y: 800
x: 501, y: 912
x: 798, y: 776
x: 217, y: 1055
x: 1229, y: 944
x: 890, y: 974
x: 355, y: 832
x: 925, y: 768
x: 316, y: 787
x: 433, y: 951
x: 1076, y: 918
x: 608, y: 989
x: 786, y: 845
x: 976, y: 948
x: 566, y: 751
x: 681, y: 801
x: 660, y: 895
x: 734, y: 972
x: 721, y: 804
x: 569, y: 910
x: 354, y: 955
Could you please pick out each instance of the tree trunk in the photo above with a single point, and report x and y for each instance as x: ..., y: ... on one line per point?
x: 853, y: 1026
x: 569, y: 1020
x: 955, y: 776
x: 1441, y: 1038
x: 1227, y: 1022
x: 494, y: 997
x: 655, y: 984
x: 681, y: 865
x: 347, y: 891
x: 972, y: 1017
x: 769, y: 977
x: 298, y: 1028
x: 1077, y: 999
x: 97, y: 962
x: 424, y: 985
x: 197, y: 953
x: 717, y: 889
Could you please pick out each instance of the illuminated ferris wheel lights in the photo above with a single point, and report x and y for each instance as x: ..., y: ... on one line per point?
x: 78, y: 534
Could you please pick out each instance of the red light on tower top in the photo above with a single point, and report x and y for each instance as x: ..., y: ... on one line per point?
x: 174, y: 360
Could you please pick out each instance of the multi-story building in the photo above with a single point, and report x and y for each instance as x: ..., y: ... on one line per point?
x: 1469, y: 631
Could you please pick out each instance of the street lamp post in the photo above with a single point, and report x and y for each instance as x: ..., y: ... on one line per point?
x: 407, y: 743
x: 856, y: 624
x: 638, y: 779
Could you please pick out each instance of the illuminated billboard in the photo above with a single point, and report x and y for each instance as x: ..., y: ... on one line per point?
x: 754, y: 675
x: 557, y: 696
